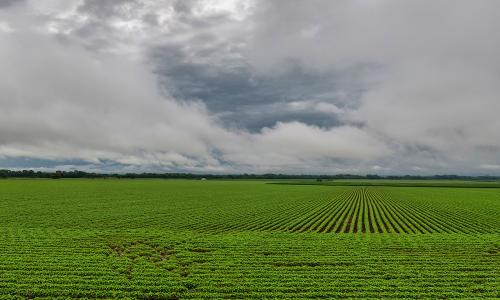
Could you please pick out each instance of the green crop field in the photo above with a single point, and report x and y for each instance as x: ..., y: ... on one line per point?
x: 177, y: 239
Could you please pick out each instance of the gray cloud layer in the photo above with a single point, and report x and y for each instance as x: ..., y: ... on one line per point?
x: 252, y: 86
x: 6, y: 3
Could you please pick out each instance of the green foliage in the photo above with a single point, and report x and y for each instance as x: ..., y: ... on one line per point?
x: 400, y: 183
x: 5, y: 173
x: 158, y: 239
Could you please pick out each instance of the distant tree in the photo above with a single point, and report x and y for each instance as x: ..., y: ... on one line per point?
x: 56, y: 175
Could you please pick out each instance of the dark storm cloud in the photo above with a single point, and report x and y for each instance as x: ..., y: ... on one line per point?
x: 242, y: 97
x: 6, y: 3
x: 105, y: 9
x: 211, y: 69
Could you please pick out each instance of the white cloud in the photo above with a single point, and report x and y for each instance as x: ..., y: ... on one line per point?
x: 5, y: 27
x: 68, y: 104
x: 490, y: 167
x: 327, y: 108
x: 315, y: 106
x: 436, y: 87
x: 296, y: 145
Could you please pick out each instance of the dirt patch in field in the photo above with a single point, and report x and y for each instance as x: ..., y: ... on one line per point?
x: 200, y: 250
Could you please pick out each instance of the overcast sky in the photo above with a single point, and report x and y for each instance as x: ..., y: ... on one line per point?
x: 387, y: 87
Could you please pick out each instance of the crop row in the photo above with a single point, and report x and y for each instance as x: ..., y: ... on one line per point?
x: 354, y: 210
x: 247, y: 265
x: 219, y: 207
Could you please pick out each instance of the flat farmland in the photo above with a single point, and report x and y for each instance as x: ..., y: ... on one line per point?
x: 177, y: 239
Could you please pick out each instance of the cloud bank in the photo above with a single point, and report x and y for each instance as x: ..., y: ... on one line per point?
x: 251, y: 86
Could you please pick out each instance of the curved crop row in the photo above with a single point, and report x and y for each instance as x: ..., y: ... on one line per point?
x: 364, y: 210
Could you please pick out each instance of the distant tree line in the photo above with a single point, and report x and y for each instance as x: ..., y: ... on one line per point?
x: 81, y: 174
